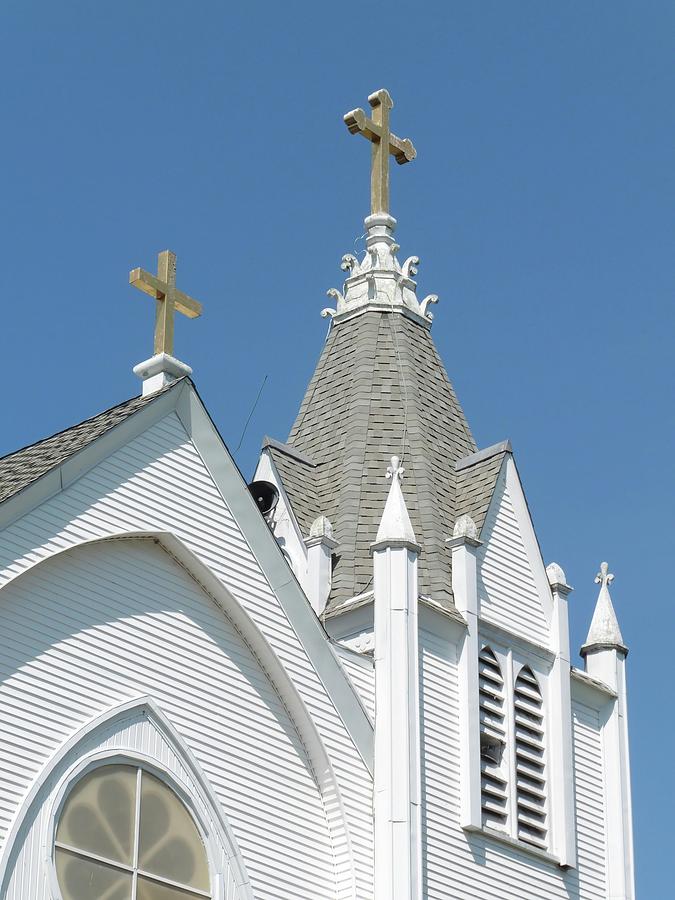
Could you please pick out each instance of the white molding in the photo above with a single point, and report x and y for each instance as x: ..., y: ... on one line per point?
x: 465, y: 591
x: 397, y: 790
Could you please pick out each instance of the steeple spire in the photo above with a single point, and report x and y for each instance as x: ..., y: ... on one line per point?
x: 604, y: 632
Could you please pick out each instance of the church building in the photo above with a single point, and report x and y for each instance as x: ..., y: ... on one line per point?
x: 349, y: 680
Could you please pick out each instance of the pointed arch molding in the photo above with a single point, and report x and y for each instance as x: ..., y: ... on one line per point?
x: 106, y: 738
x: 268, y: 660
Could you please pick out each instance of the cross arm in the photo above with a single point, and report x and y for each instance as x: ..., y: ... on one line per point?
x: 153, y: 286
x: 358, y: 122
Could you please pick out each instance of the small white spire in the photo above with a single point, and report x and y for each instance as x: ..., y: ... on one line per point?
x: 395, y: 524
x: 604, y: 633
x: 465, y: 527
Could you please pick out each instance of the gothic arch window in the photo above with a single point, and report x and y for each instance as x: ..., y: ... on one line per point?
x: 123, y: 833
x: 530, y: 759
x: 493, y: 729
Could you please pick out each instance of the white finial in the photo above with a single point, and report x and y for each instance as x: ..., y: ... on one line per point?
x: 604, y: 632
x: 321, y: 527
x: 555, y: 574
x: 395, y: 526
x: 395, y: 469
x: 465, y: 527
x: 604, y: 576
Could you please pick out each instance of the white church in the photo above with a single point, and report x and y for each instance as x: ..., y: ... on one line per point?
x: 350, y: 679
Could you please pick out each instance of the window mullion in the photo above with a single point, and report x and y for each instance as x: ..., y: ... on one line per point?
x: 510, y: 716
x: 137, y: 834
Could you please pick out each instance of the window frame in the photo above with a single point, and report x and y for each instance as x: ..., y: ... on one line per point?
x: 140, y: 762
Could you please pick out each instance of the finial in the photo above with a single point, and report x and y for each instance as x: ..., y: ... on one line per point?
x: 321, y: 527
x: 604, y: 576
x: 395, y: 526
x: 395, y: 469
x: 604, y: 633
x: 465, y: 527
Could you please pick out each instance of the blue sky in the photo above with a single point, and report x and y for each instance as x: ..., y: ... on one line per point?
x: 542, y: 204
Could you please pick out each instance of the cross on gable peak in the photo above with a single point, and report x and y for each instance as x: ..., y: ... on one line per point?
x: 169, y: 299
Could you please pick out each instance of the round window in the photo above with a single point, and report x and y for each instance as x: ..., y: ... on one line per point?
x: 123, y: 834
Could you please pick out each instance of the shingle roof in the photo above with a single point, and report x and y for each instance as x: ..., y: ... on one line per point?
x: 297, y: 474
x: 476, y: 478
x: 23, y: 467
x: 380, y: 378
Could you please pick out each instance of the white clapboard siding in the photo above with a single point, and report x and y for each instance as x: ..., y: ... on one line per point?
x: 361, y: 670
x: 458, y: 865
x: 590, y: 802
x: 508, y: 593
x: 101, y: 624
x: 135, y: 732
x: 158, y: 482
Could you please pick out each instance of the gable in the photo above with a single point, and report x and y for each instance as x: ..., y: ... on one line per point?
x: 100, y: 624
x: 513, y: 590
x: 174, y: 477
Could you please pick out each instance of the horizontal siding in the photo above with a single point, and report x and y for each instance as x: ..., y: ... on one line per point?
x: 507, y: 591
x: 457, y: 865
x: 362, y: 674
x: 104, y: 623
x: 590, y: 800
x: 158, y: 482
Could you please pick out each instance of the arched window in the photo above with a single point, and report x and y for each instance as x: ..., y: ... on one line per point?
x: 530, y: 761
x: 492, y: 740
x: 124, y: 834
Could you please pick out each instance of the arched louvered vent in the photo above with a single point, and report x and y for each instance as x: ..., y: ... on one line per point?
x: 530, y: 764
x: 492, y: 740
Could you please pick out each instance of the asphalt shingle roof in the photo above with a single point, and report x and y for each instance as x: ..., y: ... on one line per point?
x: 476, y: 479
x: 23, y: 467
x: 380, y: 389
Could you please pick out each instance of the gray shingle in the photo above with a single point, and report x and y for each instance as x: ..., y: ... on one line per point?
x: 476, y: 479
x: 23, y: 467
x: 380, y: 389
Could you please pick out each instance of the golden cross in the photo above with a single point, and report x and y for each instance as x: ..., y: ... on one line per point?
x: 384, y: 142
x: 163, y: 288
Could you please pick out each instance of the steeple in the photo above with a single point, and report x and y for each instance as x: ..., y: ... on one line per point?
x: 604, y: 633
x: 379, y: 387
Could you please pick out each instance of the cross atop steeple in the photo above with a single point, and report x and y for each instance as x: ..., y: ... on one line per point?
x: 376, y: 130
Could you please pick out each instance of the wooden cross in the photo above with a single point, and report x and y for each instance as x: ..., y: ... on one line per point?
x: 163, y: 288
x: 376, y: 130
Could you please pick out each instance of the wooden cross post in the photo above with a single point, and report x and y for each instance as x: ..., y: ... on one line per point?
x: 163, y: 288
x: 376, y: 130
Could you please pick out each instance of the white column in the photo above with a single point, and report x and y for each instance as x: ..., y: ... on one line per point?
x: 397, y: 792
x: 605, y: 657
x: 320, y: 546
x: 559, y: 725
x: 464, y: 545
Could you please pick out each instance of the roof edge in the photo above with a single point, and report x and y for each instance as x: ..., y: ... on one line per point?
x: 288, y: 450
x: 481, y: 455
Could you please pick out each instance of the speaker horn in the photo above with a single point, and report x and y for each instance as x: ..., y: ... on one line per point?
x: 265, y: 495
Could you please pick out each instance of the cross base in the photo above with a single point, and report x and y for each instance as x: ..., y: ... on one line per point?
x: 159, y: 371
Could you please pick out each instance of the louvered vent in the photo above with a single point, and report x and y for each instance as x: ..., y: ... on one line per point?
x: 492, y: 740
x: 530, y: 766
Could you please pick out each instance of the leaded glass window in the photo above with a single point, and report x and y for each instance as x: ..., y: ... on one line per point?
x: 123, y: 834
